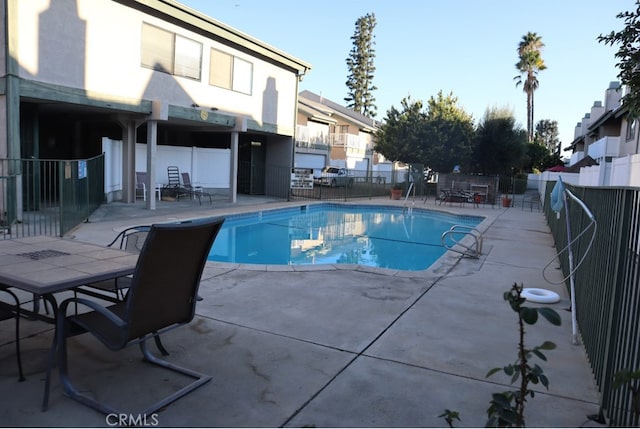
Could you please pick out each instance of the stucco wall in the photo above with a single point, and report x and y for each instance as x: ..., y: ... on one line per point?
x: 95, y: 45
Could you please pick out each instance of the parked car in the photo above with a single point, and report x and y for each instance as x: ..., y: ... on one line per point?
x: 335, y: 176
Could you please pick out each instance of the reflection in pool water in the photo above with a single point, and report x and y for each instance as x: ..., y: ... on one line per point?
x: 337, y: 234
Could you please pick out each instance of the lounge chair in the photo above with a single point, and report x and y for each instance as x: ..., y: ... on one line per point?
x: 185, y: 188
x: 12, y: 311
x: 197, y: 191
x: 174, y: 186
x: 162, y: 296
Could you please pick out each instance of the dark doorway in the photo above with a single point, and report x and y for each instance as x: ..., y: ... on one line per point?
x: 251, y: 165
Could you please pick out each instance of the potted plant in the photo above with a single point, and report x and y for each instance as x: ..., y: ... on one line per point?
x: 506, y: 200
x: 396, y: 191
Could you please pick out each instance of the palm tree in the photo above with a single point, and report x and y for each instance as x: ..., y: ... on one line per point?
x: 529, y: 64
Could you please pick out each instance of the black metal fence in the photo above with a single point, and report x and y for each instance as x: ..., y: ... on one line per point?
x: 355, y: 184
x: 48, y: 197
x: 367, y: 184
x: 607, y: 287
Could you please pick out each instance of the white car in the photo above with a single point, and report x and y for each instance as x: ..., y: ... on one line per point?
x: 335, y: 176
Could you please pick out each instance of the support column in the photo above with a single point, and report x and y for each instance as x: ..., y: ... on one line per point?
x: 152, y: 142
x: 128, y: 162
x: 129, y: 138
x: 233, y: 168
x: 159, y: 112
x: 241, y: 127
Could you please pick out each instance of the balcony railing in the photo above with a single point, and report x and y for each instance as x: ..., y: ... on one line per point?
x: 304, y: 139
x: 575, y: 157
x: 311, y: 145
x: 605, y: 147
x: 302, y: 134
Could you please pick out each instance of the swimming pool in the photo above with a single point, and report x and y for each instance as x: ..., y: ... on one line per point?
x: 376, y: 236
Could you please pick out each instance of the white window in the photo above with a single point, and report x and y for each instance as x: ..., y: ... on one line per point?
x: 188, y: 58
x: 229, y: 72
x: 242, y: 75
x: 170, y: 53
x: 157, y: 48
x: 631, y: 128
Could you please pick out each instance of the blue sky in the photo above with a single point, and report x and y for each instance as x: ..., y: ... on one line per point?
x: 466, y: 47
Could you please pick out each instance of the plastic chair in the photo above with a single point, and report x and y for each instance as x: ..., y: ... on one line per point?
x: 141, y: 185
x: 162, y: 297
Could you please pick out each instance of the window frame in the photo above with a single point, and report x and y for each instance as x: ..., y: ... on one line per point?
x: 632, y: 126
x: 175, y: 63
x: 238, y: 71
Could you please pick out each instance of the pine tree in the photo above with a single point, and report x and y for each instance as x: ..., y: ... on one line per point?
x: 360, y: 64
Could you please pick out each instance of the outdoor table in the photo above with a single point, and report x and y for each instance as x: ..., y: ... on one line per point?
x: 45, y: 265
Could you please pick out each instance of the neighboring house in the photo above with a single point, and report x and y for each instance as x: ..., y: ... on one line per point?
x: 608, y: 136
x: 152, y: 83
x: 313, y: 135
x: 331, y: 134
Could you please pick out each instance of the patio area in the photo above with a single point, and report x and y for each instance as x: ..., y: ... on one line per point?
x: 325, y: 346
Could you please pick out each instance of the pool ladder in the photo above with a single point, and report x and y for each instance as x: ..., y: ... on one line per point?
x: 454, y: 239
x: 409, y: 210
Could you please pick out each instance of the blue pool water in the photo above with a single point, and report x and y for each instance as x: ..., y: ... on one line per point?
x: 375, y: 236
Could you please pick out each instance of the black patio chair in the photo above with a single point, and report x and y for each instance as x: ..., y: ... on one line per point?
x: 12, y: 311
x: 131, y: 239
x: 174, y: 187
x: 162, y: 296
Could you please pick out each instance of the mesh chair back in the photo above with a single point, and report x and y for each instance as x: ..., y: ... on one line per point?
x: 134, y: 240
x: 186, y: 180
x: 141, y: 179
x: 165, y: 283
x: 131, y: 239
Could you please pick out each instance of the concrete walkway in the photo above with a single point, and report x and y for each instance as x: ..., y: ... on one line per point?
x: 327, y: 346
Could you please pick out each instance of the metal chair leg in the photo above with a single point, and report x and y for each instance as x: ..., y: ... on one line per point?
x: 159, y: 345
x: 16, y: 309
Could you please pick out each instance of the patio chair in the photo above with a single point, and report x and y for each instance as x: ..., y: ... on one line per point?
x: 197, y: 191
x: 162, y: 297
x: 114, y: 290
x: 141, y: 185
x: 131, y: 239
x: 174, y: 186
x: 12, y: 311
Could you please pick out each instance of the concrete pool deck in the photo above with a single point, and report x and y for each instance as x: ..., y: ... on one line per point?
x: 327, y: 346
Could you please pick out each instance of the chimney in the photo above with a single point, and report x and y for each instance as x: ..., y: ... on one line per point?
x: 585, y: 124
x: 597, y: 110
x: 577, y: 132
x: 612, y: 97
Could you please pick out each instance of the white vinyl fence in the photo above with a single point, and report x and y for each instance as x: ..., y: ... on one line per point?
x: 209, y: 168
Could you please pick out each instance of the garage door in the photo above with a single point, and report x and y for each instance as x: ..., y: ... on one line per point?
x: 308, y: 160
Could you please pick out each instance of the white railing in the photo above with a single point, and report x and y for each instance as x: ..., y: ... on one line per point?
x: 605, y: 147
x: 302, y: 134
x: 344, y: 139
x: 575, y: 157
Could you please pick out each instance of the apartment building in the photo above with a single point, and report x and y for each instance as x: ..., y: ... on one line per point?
x: 149, y: 83
x: 331, y: 134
